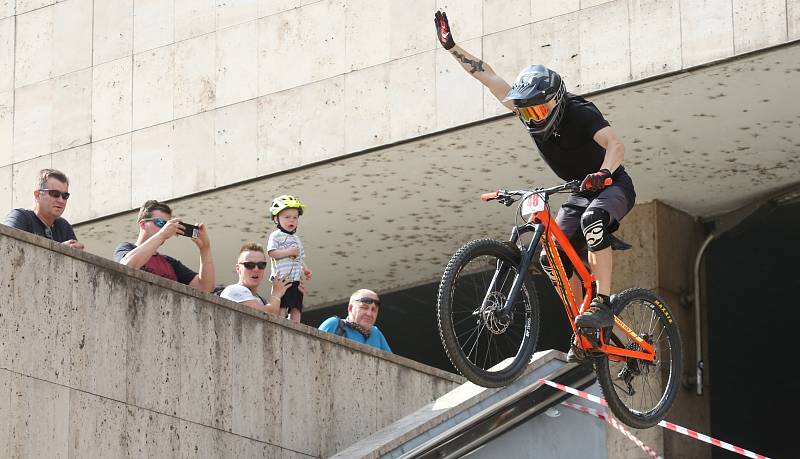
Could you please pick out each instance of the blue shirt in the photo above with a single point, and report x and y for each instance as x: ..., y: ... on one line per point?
x: 376, y: 338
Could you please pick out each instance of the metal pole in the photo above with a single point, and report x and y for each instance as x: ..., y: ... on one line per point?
x: 697, y: 324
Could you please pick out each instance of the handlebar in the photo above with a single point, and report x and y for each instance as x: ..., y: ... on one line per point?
x: 508, y: 196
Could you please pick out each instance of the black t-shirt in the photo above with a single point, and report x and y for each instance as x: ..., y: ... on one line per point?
x: 160, y: 265
x: 26, y: 220
x: 571, y: 151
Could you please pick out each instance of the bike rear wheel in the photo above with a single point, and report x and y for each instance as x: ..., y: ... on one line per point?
x: 489, y: 349
x: 638, y: 392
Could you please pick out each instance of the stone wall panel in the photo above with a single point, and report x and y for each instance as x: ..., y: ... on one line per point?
x: 309, y: 40
x: 6, y: 128
x: 653, y: 23
x: 500, y: 15
x: 236, y: 64
x: 153, y: 87
x: 153, y: 24
x: 152, y: 162
x: 557, y: 42
x: 194, y: 154
x: 758, y: 24
x: 6, y: 189
x: 33, y: 56
x: 235, y: 143
x: 152, y: 353
x: 7, y: 37
x: 33, y: 121
x: 112, y: 98
x: 72, y: 36
x: 72, y: 110
x: 111, y: 170
x: 195, y: 76
x: 605, y: 62
x: 112, y: 30
x: 707, y: 33
x: 194, y: 18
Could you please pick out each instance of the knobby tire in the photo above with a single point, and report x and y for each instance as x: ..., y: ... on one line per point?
x: 655, y: 385
x: 475, y: 340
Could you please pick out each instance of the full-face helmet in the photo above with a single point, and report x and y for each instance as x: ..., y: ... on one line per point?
x: 539, y: 96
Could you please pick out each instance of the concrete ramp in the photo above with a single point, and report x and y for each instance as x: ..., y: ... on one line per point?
x: 507, y: 422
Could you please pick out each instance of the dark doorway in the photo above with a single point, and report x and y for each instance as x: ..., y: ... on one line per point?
x: 408, y: 320
x: 752, y: 278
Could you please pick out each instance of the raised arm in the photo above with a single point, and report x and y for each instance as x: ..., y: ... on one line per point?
x: 480, y: 70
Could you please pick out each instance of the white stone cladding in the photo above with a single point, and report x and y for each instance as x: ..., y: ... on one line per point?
x: 165, y: 98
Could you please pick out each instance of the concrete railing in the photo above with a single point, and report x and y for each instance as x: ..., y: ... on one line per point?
x: 100, y: 360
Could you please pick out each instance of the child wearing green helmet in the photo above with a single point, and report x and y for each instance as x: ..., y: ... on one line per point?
x: 286, y: 253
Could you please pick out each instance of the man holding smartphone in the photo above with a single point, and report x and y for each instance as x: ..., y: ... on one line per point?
x: 156, y: 225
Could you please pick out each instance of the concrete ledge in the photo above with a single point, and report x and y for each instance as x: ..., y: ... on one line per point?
x: 74, y: 322
x: 149, y: 278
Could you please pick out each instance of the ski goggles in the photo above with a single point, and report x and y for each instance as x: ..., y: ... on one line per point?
x: 536, y: 113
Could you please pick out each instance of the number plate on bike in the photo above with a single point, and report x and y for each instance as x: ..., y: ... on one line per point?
x: 531, y: 203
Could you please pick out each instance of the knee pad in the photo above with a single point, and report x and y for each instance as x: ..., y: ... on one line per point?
x: 568, y: 269
x: 594, y: 223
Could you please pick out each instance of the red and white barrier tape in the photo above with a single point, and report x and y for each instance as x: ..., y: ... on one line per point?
x: 665, y: 424
x: 616, y: 424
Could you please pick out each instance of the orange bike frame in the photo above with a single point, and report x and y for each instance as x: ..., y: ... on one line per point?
x: 554, y: 237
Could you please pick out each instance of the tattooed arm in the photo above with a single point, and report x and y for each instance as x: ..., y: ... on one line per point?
x: 480, y: 70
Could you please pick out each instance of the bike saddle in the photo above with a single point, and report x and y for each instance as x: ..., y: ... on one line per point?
x: 617, y: 243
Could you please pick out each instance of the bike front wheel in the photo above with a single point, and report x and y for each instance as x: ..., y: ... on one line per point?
x: 487, y: 345
x: 638, y: 392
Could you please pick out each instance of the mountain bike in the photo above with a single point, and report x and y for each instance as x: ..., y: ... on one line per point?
x: 489, y: 315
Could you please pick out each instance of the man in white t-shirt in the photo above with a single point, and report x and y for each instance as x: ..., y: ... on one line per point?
x: 250, y: 267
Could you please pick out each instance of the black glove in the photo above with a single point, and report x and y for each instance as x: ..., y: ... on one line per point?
x: 596, y: 181
x: 443, y: 30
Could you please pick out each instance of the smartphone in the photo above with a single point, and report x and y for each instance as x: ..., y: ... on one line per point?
x: 190, y: 230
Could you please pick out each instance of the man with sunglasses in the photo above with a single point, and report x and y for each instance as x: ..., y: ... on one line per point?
x: 577, y: 142
x: 50, y: 197
x: 250, y: 268
x: 156, y: 226
x: 362, y: 312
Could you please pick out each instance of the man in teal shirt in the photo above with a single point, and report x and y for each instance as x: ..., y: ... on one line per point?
x: 362, y: 311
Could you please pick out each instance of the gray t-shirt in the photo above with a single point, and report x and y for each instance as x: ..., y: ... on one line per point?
x: 239, y: 293
x: 289, y: 267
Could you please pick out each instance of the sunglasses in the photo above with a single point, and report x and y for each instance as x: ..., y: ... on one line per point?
x: 158, y: 221
x: 56, y: 194
x: 253, y: 264
x: 367, y: 300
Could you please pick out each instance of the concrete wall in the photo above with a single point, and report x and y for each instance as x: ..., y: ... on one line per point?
x: 157, y: 98
x: 98, y: 360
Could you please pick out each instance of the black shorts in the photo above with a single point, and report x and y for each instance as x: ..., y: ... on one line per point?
x: 293, y: 298
x: 617, y: 200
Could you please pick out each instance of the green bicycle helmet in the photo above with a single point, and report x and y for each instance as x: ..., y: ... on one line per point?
x: 285, y: 201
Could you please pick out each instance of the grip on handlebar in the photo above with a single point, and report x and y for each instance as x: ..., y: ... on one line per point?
x: 606, y: 182
x: 490, y: 196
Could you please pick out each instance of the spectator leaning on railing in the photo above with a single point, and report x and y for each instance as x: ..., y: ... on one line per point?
x: 251, y: 266
x: 362, y: 312
x: 50, y: 196
x: 156, y: 225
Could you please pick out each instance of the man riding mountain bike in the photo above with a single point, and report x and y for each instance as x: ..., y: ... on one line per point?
x: 577, y: 142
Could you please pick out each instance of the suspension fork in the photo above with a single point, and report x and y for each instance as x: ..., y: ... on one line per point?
x: 524, y: 264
